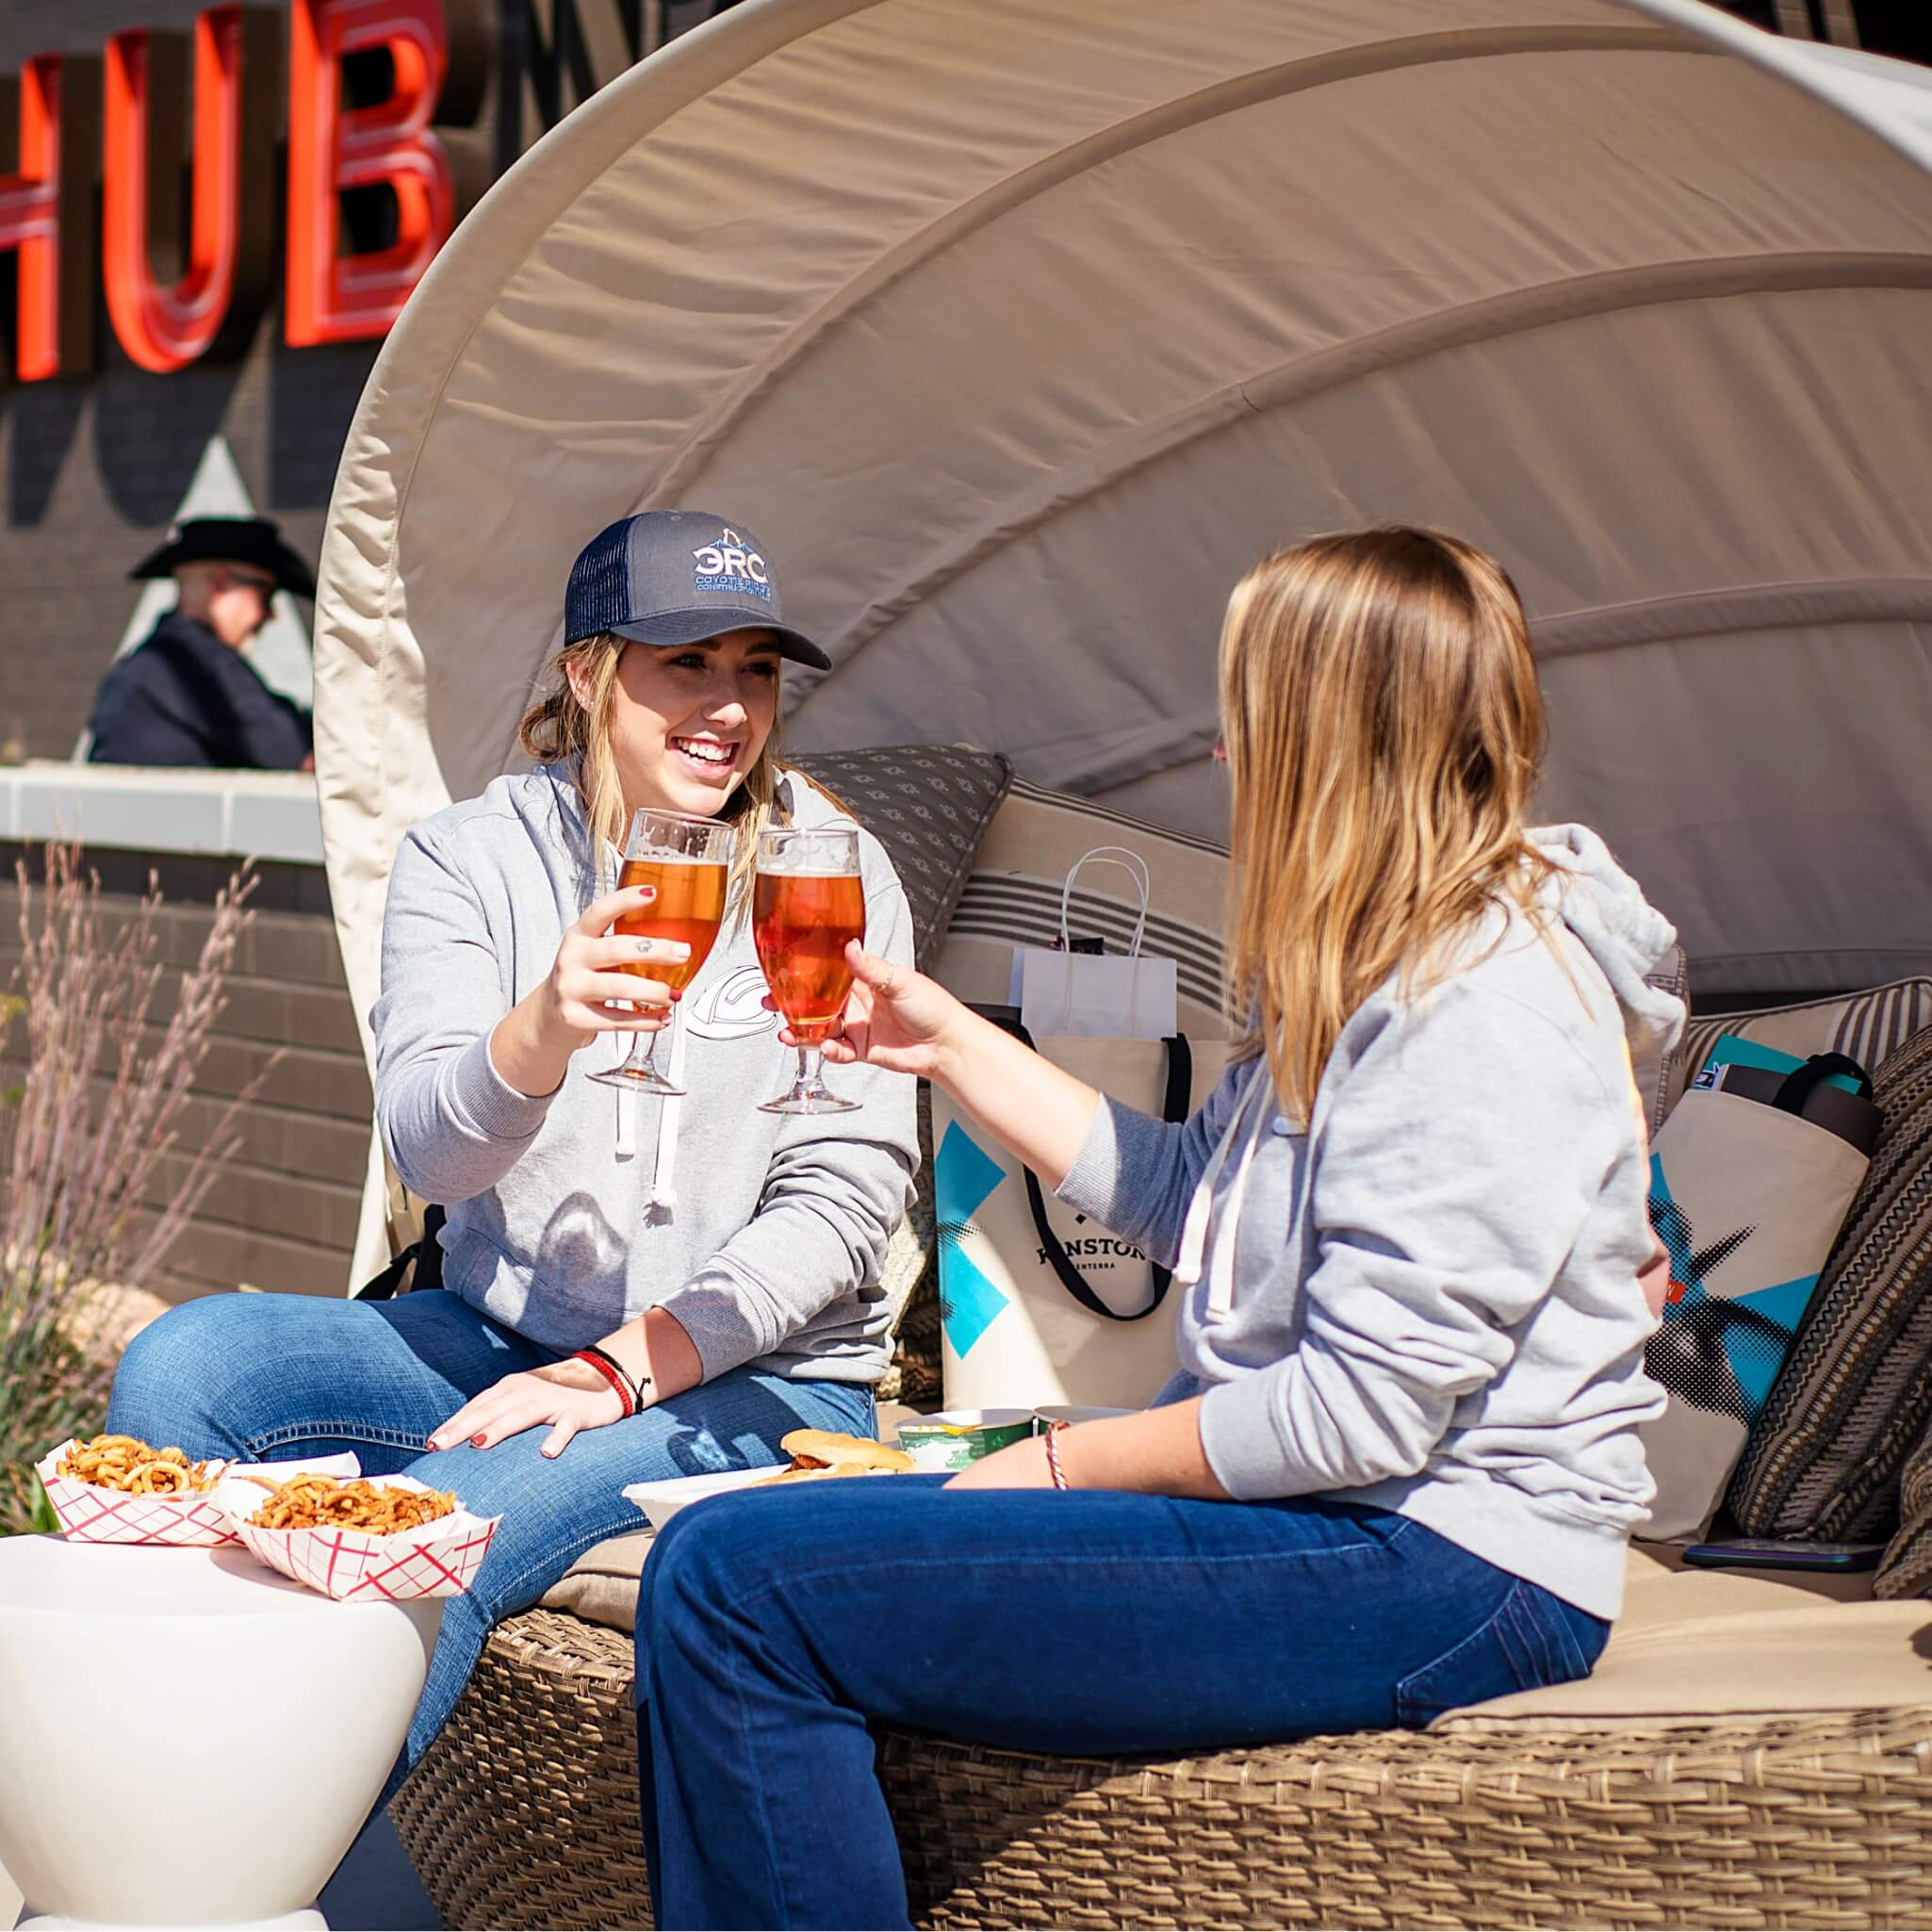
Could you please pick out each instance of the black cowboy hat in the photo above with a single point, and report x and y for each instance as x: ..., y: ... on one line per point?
x: 253, y: 541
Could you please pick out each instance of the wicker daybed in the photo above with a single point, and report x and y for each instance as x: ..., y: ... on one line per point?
x: 526, y: 1814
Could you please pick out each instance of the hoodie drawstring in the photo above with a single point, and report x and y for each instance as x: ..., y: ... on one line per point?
x: 1221, y: 1288
x: 663, y: 1192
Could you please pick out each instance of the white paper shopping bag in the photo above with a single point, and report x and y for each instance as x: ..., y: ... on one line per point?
x: 1064, y: 994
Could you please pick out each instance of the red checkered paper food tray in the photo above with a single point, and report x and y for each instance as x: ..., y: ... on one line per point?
x: 438, y: 1558
x: 90, y: 1514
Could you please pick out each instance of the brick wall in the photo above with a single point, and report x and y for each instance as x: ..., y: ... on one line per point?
x: 283, y: 1215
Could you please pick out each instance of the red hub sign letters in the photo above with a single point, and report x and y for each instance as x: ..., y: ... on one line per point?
x: 52, y: 120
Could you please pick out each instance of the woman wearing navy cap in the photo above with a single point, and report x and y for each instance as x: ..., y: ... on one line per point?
x: 632, y: 1287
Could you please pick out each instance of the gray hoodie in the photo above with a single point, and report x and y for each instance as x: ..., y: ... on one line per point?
x: 568, y: 1213
x: 1432, y: 1294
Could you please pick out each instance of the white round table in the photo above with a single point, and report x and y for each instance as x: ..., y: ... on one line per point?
x: 185, y: 1737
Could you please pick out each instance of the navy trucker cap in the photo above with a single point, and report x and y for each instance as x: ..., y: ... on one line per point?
x: 668, y: 576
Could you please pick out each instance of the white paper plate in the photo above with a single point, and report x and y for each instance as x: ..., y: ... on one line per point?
x: 660, y: 1502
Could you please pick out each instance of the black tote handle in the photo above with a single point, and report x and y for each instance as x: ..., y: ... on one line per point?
x: 1802, y: 1082
x: 1175, y: 1103
x: 426, y: 1256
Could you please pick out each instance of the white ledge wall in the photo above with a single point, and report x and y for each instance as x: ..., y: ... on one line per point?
x: 268, y: 815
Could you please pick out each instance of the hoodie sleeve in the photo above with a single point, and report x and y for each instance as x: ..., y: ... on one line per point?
x: 1459, y: 1162
x: 1135, y: 1175
x: 836, y: 1187
x: 452, y: 1124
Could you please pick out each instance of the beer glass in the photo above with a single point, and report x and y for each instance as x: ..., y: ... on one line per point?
x: 689, y: 860
x: 807, y: 906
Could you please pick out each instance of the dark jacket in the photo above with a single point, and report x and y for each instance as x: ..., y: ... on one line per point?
x: 182, y: 698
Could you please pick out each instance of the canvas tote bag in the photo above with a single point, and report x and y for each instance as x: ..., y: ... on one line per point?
x: 1040, y: 1304
x: 1747, y: 1195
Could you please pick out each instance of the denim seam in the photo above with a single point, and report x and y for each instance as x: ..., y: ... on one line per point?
x: 784, y: 1916
x: 1188, y: 1559
x: 1492, y: 1622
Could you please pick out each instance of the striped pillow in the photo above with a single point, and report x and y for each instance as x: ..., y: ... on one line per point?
x: 1906, y: 1569
x: 1855, y: 1394
x: 1012, y: 898
x: 1867, y: 1025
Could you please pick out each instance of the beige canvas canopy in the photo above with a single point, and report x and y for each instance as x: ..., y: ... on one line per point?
x: 1019, y: 328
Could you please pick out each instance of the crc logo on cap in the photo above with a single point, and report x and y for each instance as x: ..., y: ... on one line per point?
x: 732, y: 564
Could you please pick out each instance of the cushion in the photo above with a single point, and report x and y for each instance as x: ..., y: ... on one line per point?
x: 1695, y: 1644
x: 1867, y: 1025
x: 1855, y: 1395
x: 928, y: 805
x: 1906, y: 1569
x: 601, y: 1586
x: 1012, y: 898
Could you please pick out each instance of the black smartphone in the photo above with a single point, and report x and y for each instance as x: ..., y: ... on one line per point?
x: 1766, y: 1553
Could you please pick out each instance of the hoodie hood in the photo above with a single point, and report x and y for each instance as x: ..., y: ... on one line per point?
x: 1626, y: 936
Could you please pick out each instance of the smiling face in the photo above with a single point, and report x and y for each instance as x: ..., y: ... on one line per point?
x: 687, y: 722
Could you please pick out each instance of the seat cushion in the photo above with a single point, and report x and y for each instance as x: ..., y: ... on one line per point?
x: 1693, y: 1644
x: 1855, y: 1395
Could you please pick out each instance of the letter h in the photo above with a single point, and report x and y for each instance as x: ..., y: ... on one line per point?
x: 50, y: 118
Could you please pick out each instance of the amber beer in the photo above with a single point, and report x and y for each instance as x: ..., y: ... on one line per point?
x: 689, y: 908
x: 801, y: 924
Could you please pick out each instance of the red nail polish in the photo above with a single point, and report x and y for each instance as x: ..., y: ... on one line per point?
x: 477, y: 1441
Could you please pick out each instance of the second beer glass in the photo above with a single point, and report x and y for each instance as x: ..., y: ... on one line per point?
x: 808, y: 904
x: 688, y: 859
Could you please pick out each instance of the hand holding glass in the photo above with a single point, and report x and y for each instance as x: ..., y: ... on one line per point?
x: 808, y: 905
x: 688, y: 859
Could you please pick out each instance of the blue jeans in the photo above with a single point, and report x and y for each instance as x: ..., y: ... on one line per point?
x: 774, y: 1625
x: 275, y: 1377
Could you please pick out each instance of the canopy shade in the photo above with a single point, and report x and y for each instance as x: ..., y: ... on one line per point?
x: 1019, y: 329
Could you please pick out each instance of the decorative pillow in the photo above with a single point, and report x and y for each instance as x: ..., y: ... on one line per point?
x: 1855, y: 1394
x: 1747, y: 1199
x: 929, y: 806
x: 1868, y: 1026
x: 1906, y: 1569
x: 1012, y: 898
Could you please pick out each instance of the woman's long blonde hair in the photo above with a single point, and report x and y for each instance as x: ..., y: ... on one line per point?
x: 1383, y: 727
x: 560, y: 730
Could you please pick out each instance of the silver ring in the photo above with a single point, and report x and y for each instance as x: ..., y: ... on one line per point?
x: 644, y: 947
x: 889, y: 985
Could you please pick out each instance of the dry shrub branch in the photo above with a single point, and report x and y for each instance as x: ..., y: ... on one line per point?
x: 97, y: 1112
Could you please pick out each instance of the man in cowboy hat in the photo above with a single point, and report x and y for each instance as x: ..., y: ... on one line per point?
x: 187, y: 695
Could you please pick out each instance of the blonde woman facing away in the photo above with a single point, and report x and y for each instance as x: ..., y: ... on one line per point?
x: 632, y: 1287
x: 1400, y: 1464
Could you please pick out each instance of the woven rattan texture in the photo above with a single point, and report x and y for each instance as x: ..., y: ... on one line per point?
x: 525, y: 1814
x: 1855, y: 1394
